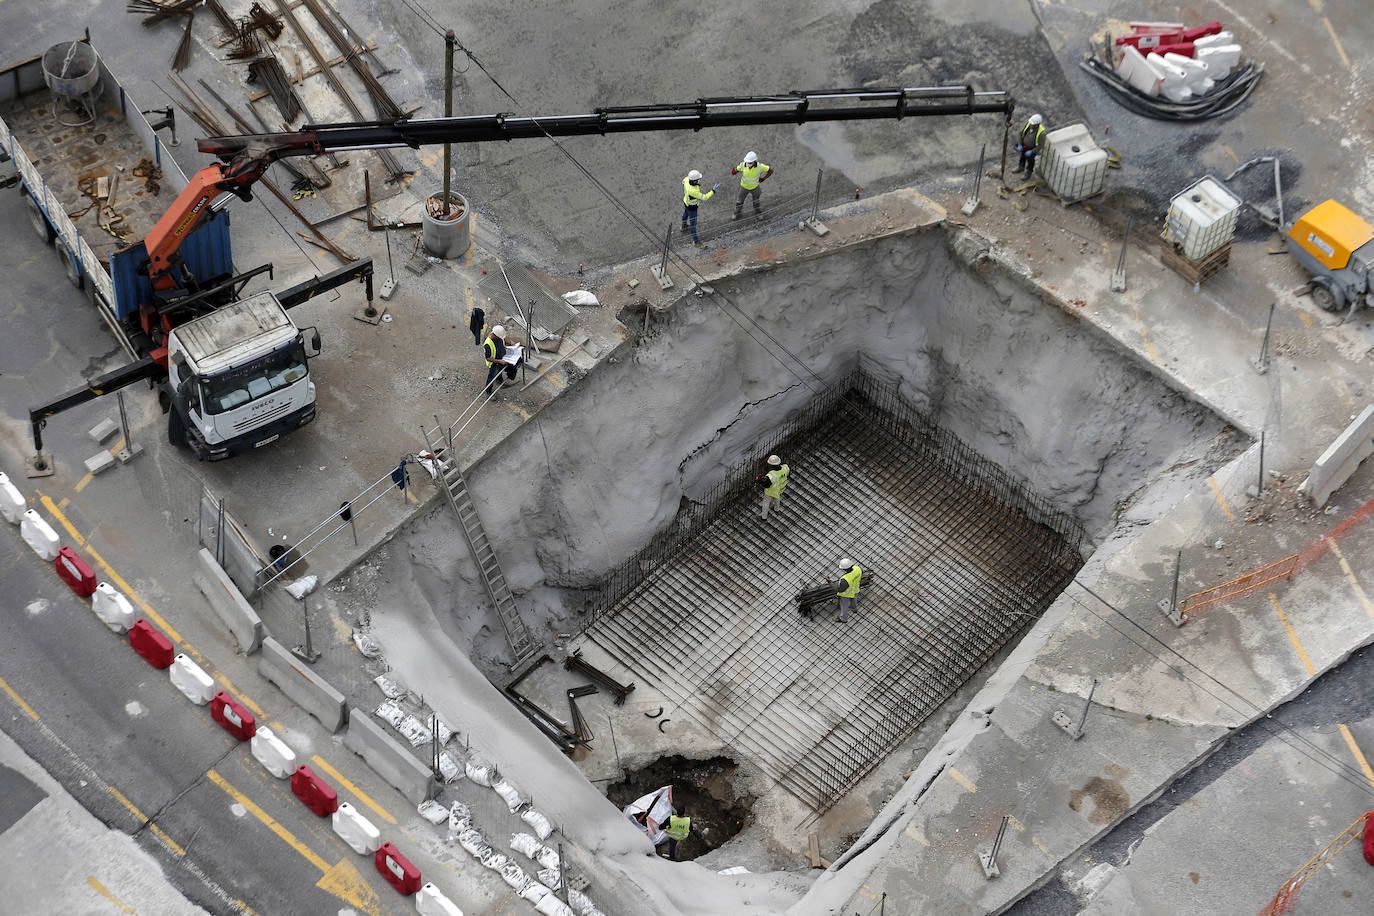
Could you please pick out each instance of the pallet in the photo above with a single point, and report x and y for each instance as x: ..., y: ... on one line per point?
x: 1195, y: 272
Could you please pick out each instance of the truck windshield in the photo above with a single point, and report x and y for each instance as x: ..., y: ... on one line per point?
x: 250, y: 382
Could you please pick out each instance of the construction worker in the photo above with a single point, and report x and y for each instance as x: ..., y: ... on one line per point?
x: 476, y: 321
x: 679, y: 826
x: 495, y: 349
x: 1029, y: 143
x: 691, y: 196
x: 849, y: 589
x: 773, y: 483
x: 752, y: 174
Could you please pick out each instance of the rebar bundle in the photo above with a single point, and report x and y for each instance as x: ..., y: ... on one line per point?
x: 269, y: 72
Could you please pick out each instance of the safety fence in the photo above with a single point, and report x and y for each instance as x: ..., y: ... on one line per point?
x: 878, y: 408
x: 1256, y: 579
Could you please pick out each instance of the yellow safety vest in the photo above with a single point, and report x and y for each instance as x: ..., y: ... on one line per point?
x: 777, y: 480
x: 1039, y: 132
x: 851, y: 582
x: 750, y: 174
x: 692, y: 193
x: 678, y: 827
x: 490, y: 347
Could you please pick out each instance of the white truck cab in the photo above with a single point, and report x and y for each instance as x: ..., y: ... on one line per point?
x: 238, y: 378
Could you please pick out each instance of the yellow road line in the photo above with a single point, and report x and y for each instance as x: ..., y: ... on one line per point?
x: 1336, y: 41
x: 1292, y: 635
x: 1350, y: 577
x: 147, y: 609
x: 105, y: 892
x: 143, y: 819
x: 305, y: 851
x: 1221, y: 498
x: 1355, y: 749
x: 968, y: 784
x: 342, y: 780
x: 81, y: 484
x: 18, y: 700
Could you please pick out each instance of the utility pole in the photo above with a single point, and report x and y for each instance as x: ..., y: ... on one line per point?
x: 449, y: 41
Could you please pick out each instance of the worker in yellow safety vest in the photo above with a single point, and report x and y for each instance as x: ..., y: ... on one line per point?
x: 679, y: 826
x: 1029, y: 143
x: 752, y: 174
x: 773, y: 483
x: 692, y: 195
x: 495, y: 349
x: 849, y: 591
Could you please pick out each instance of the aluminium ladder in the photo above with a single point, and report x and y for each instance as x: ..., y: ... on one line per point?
x: 455, y: 488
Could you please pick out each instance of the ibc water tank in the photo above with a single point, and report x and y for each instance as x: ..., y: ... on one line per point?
x: 1074, y: 167
x: 1202, y: 219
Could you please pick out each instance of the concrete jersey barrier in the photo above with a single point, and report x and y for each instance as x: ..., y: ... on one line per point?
x: 301, y: 685
x: 390, y: 759
x: 1341, y: 459
x: 226, y: 600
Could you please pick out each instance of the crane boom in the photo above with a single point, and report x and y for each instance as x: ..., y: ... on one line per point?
x: 245, y: 158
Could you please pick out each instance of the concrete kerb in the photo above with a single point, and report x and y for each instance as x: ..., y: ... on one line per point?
x: 302, y: 686
x: 388, y: 757
x: 226, y: 601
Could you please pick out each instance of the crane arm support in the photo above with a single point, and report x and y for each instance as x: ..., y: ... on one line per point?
x: 102, y: 385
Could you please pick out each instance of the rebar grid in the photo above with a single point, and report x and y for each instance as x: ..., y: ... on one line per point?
x: 958, y: 573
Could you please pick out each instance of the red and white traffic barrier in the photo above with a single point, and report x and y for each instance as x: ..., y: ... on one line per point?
x: 75, y: 571
x: 232, y: 716
x: 38, y: 534
x: 12, y: 502
x: 155, y: 648
x: 397, y: 869
x: 430, y: 901
x: 113, y: 609
x: 191, y: 680
x: 316, y: 794
x: 355, y: 830
x: 272, y: 753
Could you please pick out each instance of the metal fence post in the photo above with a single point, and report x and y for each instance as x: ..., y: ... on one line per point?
x: 813, y: 222
x: 1170, y: 607
x: 988, y: 859
x: 971, y: 204
x: 1261, y: 362
x: 660, y: 270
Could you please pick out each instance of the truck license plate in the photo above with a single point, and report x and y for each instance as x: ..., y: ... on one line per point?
x: 263, y: 442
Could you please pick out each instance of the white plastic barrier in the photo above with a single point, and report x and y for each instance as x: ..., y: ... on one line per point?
x: 1175, y: 85
x: 1135, y: 70
x: 355, y: 830
x: 1220, y: 59
x: 430, y: 901
x: 272, y: 753
x: 1196, y: 73
x: 12, y: 502
x: 113, y: 609
x: 189, y: 678
x: 39, y: 535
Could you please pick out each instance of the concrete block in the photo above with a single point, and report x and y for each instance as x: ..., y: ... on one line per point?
x: 226, y: 601
x: 302, y: 685
x: 100, y: 461
x: 103, y: 430
x: 390, y: 759
x: 1340, y: 460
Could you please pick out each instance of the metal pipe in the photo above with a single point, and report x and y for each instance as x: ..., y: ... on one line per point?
x: 449, y: 41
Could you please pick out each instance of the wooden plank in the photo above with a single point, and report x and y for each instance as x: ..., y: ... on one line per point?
x: 813, y: 849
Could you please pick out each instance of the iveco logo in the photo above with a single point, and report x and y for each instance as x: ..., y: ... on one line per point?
x: 264, y: 405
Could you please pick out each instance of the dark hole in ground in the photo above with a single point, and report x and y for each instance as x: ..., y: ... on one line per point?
x: 705, y: 788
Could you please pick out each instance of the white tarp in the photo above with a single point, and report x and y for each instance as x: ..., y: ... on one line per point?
x: 650, y: 813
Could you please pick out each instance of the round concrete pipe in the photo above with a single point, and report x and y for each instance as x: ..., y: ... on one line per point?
x: 446, y: 235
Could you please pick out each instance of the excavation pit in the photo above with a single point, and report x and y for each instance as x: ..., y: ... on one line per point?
x: 705, y: 790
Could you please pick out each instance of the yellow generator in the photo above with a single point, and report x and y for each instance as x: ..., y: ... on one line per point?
x: 1337, y: 248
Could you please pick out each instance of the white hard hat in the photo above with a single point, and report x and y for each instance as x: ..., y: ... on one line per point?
x: 694, y: 175
x: 846, y: 564
x: 751, y: 157
x: 1036, y: 119
x: 774, y: 460
x: 498, y: 331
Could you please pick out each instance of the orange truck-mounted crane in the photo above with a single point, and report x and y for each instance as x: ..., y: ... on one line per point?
x: 204, y: 398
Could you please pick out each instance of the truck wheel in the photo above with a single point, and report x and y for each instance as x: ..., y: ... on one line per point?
x: 39, y: 220
x: 1325, y: 297
x: 69, y: 265
x: 176, y: 429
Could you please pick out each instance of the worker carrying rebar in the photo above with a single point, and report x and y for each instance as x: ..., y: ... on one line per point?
x: 1029, y: 143
x: 692, y: 195
x: 773, y: 483
x: 752, y: 174
x: 495, y: 349
x: 849, y: 591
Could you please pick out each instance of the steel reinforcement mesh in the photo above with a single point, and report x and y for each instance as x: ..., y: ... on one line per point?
x: 961, y: 559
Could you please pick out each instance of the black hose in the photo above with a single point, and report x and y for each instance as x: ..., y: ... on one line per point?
x: 1224, y: 98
